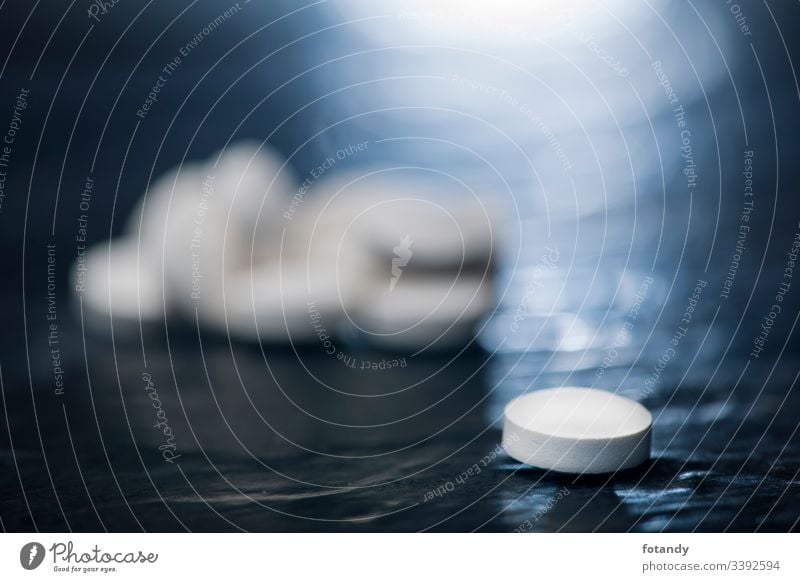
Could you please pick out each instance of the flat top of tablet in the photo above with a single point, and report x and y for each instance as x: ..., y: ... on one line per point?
x: 578, y: 413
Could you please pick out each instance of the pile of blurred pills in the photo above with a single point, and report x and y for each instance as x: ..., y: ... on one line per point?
x: 400, y: 259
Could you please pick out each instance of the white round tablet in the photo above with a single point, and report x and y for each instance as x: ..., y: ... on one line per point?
x: 577, y: 430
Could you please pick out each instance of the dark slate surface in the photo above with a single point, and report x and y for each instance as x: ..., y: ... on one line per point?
x: 723, y: 459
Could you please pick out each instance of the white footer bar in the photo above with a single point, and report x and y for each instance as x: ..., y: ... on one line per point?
x: 379, y: 557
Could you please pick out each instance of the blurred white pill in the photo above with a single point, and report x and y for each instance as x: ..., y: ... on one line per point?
x: 321, y: 233
x: 154, y: 216
x: 199, y: 252
x: 445, y: 233
x: 577, y: 430
x: 280, y: 303
x: 431, y: 312
x: 413, y: 259
x: 254, y: 184
x: 210, y: 235
x: 449, y: 227
x: 148, y: 220
x: 114, y: 281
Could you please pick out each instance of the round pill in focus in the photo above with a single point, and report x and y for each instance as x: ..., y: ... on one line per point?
x: 577, y: 430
